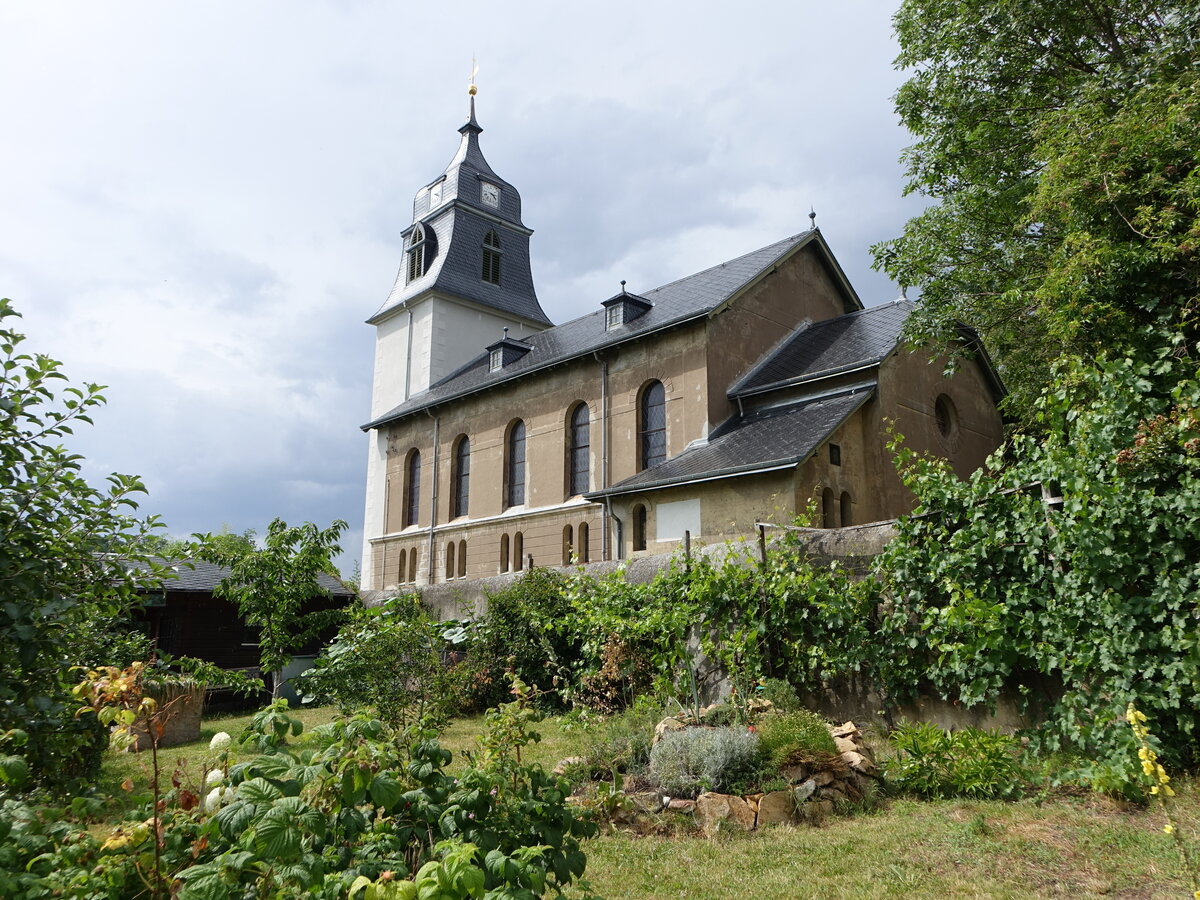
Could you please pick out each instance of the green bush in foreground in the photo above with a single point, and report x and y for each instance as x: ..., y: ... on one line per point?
x: 936, y: 764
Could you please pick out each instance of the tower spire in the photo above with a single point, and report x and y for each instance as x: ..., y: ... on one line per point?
x: 472, y: 90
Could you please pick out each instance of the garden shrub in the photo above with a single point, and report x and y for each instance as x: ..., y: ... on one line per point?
x: 391, y: 659
x: 687, y: 762
x: 780, y: 693
x: 935, y: 763
x: 621, y: 742
x: 792, y: 738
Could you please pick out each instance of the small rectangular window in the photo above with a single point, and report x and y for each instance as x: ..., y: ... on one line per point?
x: 835, y: 455
x: 497, y: 361
x: 612, y: 317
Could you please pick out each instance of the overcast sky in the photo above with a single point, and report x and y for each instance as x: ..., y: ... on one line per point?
x: 202, y: 201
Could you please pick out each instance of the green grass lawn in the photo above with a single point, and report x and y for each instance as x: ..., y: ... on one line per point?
x: 1074, y: 847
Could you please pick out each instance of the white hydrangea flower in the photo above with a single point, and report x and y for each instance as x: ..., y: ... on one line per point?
x: 220, y: 741
x: 215, y: 777
x: 213, y: 801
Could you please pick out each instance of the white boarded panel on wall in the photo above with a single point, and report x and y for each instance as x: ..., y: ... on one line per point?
x: 673, y: 519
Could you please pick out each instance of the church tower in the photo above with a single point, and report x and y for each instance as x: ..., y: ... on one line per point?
x: 463, y: 282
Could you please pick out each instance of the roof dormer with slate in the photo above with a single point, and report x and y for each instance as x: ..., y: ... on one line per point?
x: 467, y: 240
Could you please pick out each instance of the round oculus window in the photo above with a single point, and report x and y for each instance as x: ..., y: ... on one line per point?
x: 946, y: 416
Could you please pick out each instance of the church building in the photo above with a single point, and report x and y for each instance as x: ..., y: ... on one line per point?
x: 740, y: 394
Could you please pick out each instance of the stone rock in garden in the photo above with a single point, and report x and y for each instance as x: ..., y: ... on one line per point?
x: 670, y: 723
x: 716, y: 811
x: 759, y: 705
x: 805, y: 790
x: 564, y: 764
x: 846, y: 745
x: 678, y: 804
x: 823, y: 778
x: 858, y: 762
x: 831, y: 793
x: 845, y: 730
x: 776, y: 808
x: 850, y: 789
x: 794, y: 773
x: 814, y: 811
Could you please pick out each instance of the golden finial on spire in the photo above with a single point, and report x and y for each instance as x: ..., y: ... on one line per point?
x: 471, y: 89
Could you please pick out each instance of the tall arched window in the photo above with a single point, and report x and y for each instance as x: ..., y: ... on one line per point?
x: 403, y: 573
x: 847, y: 515
x: 827, y: 515
x: 567, y: 548
x: 514, y: 470
x: 504, y: 553
x: 579, y: 451
x: 491, y: 257
x: 449, y: 560
x: 462, y: 559
x: 416, y: 254
x: 518, y: 552
x: 412, y: 565
x: 652, y: 425
x: 412, y: 488
x: 583, y: 542
x: 639, y: 527
x: 460, y: 478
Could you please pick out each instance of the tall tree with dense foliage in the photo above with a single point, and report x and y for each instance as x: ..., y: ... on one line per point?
x: 274, y: 586
x: 1059, y: 144
x: 66, y: 549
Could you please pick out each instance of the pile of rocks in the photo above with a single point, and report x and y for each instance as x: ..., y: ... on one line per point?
x: 809, y: 798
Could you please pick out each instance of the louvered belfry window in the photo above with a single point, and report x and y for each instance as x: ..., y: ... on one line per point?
x: 491, y: 257
x: 653, y: 431
x: 516, y: 465
x: 416, y: 255
x: 580, y: 449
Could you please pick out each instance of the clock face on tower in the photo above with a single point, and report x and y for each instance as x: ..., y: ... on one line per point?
x: 490, y: 194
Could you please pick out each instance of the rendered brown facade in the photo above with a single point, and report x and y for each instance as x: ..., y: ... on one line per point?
x: 778, y: 387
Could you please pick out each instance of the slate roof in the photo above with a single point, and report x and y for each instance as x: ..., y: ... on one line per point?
x: 204, y: 576
x: 820, y: 349
x: 675, y: 303
x: 764, y: 439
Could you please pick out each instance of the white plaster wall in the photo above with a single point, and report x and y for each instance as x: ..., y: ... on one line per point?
x: 375, y: 513
x: 673, y: 519
x: 461, y: 332
x: 391, y: 351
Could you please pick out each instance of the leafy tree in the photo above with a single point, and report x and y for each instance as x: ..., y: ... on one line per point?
x: 67, y: 561
x: 226, y: 541
x: 1058, y: 141
x: 274, y: 586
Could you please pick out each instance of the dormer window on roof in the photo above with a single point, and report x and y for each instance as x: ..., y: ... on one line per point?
x: 416, y: 253
x: 504, y: 351
x: 624, y: 307
x: 491, y: 257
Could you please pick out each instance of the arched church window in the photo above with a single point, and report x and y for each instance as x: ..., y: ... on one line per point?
x: 567, y: 549
x: 518, y: 552
x: 639, y: 527
x: 504, y: 553
x: 412, y: 488
x: 462, y: 559
x: 652, y: 425
x: 416, y: 254
x: 847, y: 514
x: 583, y: 541
x: 491, y: 257
x: 579, y: 451
x: 450, y: 546
x: 514, y: 470
x: 828, y: 518
x: 460, y: 479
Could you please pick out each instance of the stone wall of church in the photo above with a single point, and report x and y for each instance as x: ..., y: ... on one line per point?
x: 801, y: 288
x: 543, y: 402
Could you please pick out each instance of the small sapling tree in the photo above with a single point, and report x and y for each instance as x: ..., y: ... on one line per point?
x: 274, y: 584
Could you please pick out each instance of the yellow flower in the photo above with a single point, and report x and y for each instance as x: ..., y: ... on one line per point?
x: 1144, y: 753
x: 1168, y: 828
x: 1168, y: 790
x: 1148, y: 767
x: 1154, y: 790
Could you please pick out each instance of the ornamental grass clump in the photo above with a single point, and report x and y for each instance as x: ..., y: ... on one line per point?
x: 692, y: 760
x: 797, y: 738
